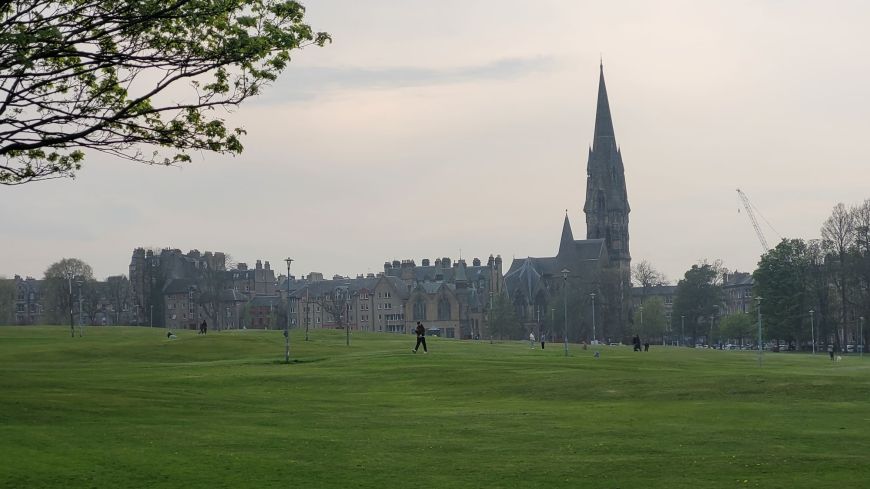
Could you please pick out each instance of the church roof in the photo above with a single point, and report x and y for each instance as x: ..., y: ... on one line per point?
x: 582, y: 257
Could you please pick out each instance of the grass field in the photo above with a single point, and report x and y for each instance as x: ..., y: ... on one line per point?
x: 125, y: 407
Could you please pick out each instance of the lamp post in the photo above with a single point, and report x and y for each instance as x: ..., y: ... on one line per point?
x: 287, y: 328
x: 593, y: 317
x: 682, y: 329
x: 667, y: 329
x: 79, y: 285
x: 641, y: 319
x: 712, y: 318
x: 307, y: 322
x: 861, y: 333
x: 346, y: 322
x: 72, y: 327
x: 760, y: 344
x: 813, y: 329
x: 152, y: 316
x: 565, y: 272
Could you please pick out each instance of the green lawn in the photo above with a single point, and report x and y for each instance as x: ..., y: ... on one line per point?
x: 126, y: 407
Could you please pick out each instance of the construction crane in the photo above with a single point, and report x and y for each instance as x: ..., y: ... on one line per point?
x: 748, y: 206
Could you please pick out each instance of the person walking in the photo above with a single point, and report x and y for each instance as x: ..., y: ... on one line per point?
x: 543, y: 339
x: 532, y: 340
x: 421, y: 338
x: 203, y: 328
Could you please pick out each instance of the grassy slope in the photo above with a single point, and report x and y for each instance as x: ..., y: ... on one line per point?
x: 125, y: 407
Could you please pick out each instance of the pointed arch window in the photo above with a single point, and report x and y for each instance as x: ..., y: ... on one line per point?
x: 443, y: 309
x: 419, y: 309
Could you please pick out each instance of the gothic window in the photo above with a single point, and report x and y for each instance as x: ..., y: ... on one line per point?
x: 519, y: 305
x: 419, y: 309
x: 443, y: 309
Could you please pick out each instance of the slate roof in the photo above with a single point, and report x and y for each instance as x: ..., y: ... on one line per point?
x: 660, y: 290
x: 353, y: 285
x: 265, y: 300
x: 583, y: 258
x: 178, y: 286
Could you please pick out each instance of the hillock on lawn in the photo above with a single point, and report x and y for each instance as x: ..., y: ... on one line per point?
x: 127, y: 407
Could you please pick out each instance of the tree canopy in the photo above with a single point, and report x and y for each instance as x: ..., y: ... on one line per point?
x: 8, y: 293
x: 63, y: 279
x: 133, y: 78
x: 781, y: 281
x: 697, y: 294
x: 503, y: 322
x: 649, y: 319
x: 738, y: 326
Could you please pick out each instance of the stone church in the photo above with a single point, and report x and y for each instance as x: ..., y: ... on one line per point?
x: 593, y: 274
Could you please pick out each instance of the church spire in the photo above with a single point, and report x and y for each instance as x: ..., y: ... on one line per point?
x: 606, y: 204
x: 567, y: 235
x: 604, y: 135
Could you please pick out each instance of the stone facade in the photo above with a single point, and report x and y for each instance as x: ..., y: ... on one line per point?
x: 449, y: 298
x: 28, y: 302
x: 737, y: 293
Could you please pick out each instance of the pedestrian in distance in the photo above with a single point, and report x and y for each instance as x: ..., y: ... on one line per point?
x: 421, y: 338
x: 543, y: 340
x: 203, y: 328
x: 532, y: 340
x: 831, y: 352
x: 646, y: 346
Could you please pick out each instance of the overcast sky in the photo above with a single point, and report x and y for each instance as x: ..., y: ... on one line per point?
x: 427, y: 128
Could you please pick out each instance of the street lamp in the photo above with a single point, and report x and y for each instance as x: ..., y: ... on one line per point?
x: 72, y: 327
x: 861, y: 333
x: 287, y: 328
x: 712, y: 318
x: 641, y: 319
x: 152, y: 315
x: 565, y: 272
x: 813, y: 329
x: 682, y: 329
x: 667, y: 329
x: 79, y: 285
x: 760, y: 344
x: 593, y: 316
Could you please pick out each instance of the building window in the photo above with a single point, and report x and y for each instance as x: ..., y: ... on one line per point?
x: 443, y: 309
x: 419, y: 309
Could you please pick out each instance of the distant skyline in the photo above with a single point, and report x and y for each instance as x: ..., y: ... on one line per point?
x: 426, y: 128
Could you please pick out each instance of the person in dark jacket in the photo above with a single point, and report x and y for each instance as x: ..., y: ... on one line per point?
x: 421, y: 338
x: 203, y: 328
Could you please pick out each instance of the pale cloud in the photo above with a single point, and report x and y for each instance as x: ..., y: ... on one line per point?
x: 306, y: 83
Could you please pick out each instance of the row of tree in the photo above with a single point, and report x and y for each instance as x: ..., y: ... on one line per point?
x: 806, y: 289
x: 828, y: 276
x: 68, y: 287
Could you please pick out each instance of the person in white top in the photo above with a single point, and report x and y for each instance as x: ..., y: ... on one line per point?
x: 532, y: 340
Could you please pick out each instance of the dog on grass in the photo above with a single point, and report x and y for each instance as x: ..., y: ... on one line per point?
x: 838, y: 359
